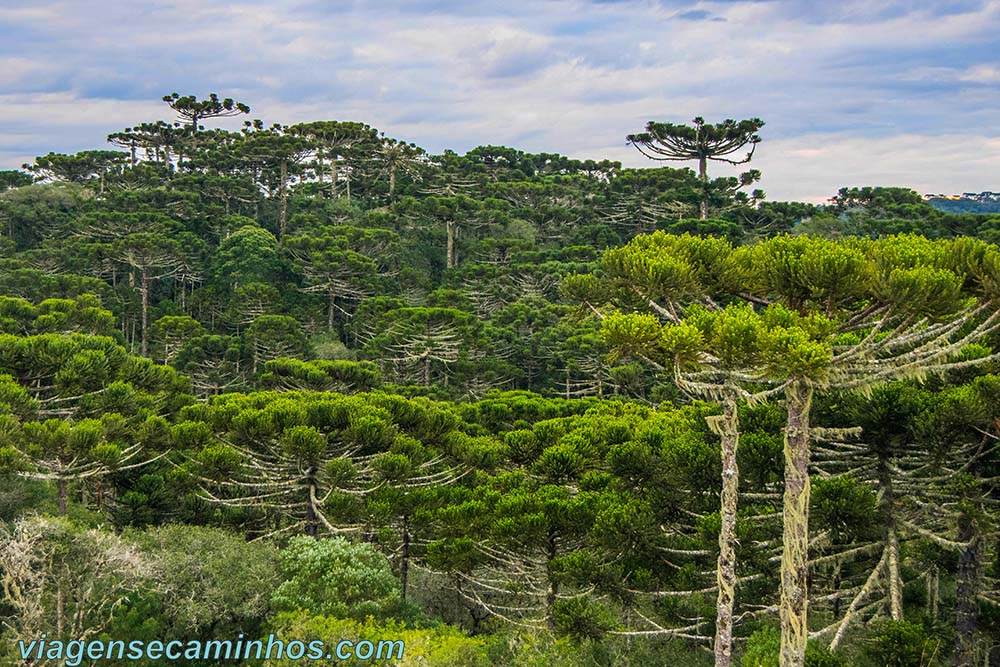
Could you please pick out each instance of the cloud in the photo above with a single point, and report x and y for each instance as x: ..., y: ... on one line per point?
x: 983, y: 73
x: 698, y: 15
x: 857, y: 78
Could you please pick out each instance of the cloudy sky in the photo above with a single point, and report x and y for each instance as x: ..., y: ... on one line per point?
x: 853, y: 92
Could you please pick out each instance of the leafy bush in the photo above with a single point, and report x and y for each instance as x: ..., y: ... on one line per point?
x: 334, y: 577
x: 902, y: 644
x: 440, y: 646
x: 764, y: 647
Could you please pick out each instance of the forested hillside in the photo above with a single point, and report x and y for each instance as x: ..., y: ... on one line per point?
x: 514, y: 409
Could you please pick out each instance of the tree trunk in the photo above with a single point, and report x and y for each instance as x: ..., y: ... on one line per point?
x: 888, y: 507
x: 967, y: 592
x: 392, y: 181
x: 60, y: 608
x: 63, y: 491
x: 312, y: 522
x: 552, y: 592
x: 283, y: 193
x: 331, y: 295
x: 703, y: 177
x: 144, y: 292
x: 404, y: 565
x: 728, y: 430
x: 933, y: 593
x: 319, y: 171
x: 795, y: 534
x: 450, y: 229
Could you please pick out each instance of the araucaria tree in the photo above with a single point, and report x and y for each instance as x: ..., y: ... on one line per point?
x: 836, y: 315
x: 701, y: 141
x: 191, y: 110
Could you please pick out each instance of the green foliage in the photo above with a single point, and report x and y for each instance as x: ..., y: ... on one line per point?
x: 439, y: 646
x: 333, y: 577
x: 902, y: 644
x: 487, y: 369
x: 763, y: 647
x: 210, y: 582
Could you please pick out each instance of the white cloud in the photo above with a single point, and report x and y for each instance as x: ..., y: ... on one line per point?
x: 981, y: 74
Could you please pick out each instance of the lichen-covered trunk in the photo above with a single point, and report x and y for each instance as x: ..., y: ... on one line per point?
x: 967, y: 592
x: 794, y: 606
x: 729, y: 434
x: 888, y: 510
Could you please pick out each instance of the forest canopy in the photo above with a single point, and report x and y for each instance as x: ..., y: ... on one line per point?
x: 511, y: 408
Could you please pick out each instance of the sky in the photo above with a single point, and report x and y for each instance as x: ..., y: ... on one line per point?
x: 852, y: 92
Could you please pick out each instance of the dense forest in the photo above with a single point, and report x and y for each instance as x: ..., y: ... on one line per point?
x: 514, y: 409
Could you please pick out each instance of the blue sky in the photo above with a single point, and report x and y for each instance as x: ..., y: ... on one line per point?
x: 853, y: 93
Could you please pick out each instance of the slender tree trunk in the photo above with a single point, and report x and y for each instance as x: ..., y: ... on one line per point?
x: 836, y: 586
x: 98, y: 495
x: 283, y: 193
x: 312, y: 521
x: 329, y: 310
x: 392, y: 181
x: 404, y: 565
x: 794, y: 606
x: 703, y: 177
x: 60, y: 608
x: 728, y: 430
x: 450, y: 230
x: 552, y: 592
x: 63, y: 491
x: 319, y: 171
x: 144, y: 292
x: 933, y: 592
x: 967, y: 592
x: 888, y: 508
x: 333, y: 175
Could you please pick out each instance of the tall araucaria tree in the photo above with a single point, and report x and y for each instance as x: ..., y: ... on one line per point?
x: 190, y: 109
x: 846, y: 315
x: 270, y: 150
x: 701, y: 141
x: 670, y: 277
